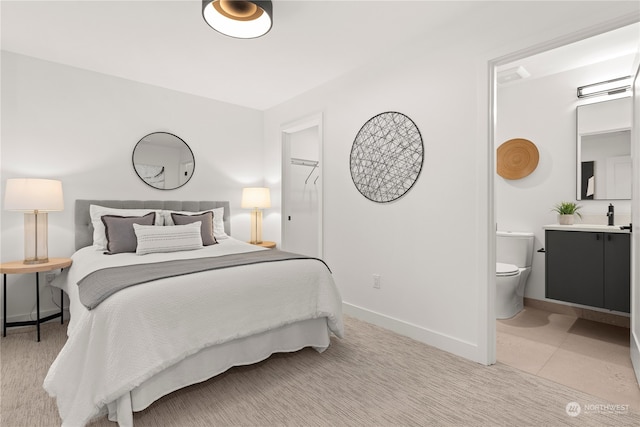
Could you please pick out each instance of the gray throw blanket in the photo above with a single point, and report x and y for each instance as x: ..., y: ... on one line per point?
x: 101, y: 284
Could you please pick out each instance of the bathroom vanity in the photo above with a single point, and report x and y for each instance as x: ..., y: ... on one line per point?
x: 588, y: 265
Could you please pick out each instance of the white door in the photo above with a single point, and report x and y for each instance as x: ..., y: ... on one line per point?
x: 618, y: 177
x: 302, y: 187
x: 635, y: 235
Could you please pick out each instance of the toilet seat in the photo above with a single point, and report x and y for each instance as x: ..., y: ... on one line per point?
x: 506, y: 270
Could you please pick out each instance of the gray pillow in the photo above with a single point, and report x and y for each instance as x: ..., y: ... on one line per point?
x: 207, y: 225
x: 120, y: 234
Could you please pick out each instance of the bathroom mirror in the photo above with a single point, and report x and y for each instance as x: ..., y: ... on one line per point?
x: 604, y: 150
x: 163, y: 161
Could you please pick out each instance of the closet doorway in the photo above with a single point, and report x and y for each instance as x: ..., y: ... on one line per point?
x: 302, y: 186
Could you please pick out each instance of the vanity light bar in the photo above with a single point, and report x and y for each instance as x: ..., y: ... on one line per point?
x: 609, y: 87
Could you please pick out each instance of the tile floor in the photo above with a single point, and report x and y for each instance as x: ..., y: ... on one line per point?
x: 589, y: 356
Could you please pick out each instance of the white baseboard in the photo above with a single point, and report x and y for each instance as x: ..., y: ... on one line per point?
x: 418, y: 333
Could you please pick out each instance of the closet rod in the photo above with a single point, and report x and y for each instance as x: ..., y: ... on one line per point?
x: 304, y: 162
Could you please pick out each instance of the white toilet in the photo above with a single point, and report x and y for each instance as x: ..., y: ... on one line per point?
x: 514, y: 254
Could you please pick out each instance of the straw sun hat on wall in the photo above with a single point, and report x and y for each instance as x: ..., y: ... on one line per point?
x: 517, y: 158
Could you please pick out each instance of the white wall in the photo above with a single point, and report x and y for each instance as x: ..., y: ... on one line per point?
x: 543, y: 110
x: 432, y: 247
x: 81, y: 127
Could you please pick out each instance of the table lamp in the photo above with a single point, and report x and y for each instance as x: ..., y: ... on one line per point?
x: 34, y: 197
x: 256, y: 198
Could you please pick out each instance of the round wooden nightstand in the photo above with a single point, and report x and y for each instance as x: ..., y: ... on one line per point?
x: 19, y: 267
x: 265, y: 244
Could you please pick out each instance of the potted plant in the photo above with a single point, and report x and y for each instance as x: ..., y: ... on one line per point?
x: 567, y: 212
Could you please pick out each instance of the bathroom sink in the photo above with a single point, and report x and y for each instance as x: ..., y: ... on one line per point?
x: 586, y: 227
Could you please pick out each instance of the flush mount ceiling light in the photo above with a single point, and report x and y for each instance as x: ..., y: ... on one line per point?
x: 238, y: 18
x: 609, y: 87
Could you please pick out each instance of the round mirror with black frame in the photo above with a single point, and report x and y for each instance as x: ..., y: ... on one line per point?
x: 163, y: 161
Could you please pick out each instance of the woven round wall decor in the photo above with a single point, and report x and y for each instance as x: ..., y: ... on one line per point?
x: 386, y: 157
x: 517, y: 158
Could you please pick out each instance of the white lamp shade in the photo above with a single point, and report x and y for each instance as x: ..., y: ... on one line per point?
x: 32, y: 194
x: 256, y: 198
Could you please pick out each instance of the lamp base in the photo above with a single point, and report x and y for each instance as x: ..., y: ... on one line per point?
x: 256, y: 227
x: 35, y: 238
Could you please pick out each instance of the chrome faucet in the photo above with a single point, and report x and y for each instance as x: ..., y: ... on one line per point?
x: 610, y: 214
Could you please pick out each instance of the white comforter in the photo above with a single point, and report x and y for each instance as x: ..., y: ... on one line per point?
x: 146, y: 328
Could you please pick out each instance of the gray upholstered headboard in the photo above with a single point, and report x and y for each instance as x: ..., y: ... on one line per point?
x: 84, y: 228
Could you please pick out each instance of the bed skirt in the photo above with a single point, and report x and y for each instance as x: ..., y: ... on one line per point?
x: 215, y: 360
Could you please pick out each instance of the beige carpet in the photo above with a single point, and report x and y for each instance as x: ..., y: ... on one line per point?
x: 371, y: 378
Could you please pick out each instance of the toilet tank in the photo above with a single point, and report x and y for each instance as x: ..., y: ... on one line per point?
x: 514, y: 247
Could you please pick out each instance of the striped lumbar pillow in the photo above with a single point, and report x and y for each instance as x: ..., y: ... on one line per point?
x: 168, y: 239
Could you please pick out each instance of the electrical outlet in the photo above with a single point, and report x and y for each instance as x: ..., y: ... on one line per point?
x: 376, y: 281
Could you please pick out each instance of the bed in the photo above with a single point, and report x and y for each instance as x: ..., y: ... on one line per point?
x: 158, y: 335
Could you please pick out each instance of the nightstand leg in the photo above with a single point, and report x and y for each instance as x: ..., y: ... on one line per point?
x: 61, y: 307
x: 4, y: 306
x: 38, y: 304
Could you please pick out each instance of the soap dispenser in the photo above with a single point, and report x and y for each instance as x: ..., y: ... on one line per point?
x: 610, y: 214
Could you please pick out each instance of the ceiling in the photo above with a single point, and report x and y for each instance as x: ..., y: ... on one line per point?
x: 621, y: 44
x: 168, y: 44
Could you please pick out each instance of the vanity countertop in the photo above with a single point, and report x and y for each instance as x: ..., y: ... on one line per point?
x: 586, y: 227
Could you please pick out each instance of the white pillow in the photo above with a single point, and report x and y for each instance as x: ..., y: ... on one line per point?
x: 218, y: 220
x: 153, y: 239
x: 96, y: 212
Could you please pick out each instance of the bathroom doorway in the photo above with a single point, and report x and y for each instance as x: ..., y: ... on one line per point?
x: 525, y: 204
